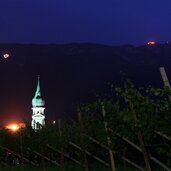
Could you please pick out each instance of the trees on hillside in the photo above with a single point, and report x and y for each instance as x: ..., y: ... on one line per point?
x: 139, y: 119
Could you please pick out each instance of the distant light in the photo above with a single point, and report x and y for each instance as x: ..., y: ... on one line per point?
x: 6, y: 55
x: 54, y: 122
x: 151, y: 43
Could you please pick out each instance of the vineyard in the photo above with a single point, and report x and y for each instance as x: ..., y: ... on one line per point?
x: 132, y: 132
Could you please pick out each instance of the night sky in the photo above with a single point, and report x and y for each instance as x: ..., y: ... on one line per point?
x: 112, y: 22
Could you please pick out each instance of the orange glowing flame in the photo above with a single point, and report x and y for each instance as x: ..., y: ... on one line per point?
x: 15, y: 127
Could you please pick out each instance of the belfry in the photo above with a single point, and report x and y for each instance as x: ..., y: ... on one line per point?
x: 38, y: 116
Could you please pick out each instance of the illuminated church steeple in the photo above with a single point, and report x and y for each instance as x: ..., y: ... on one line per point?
x: 38, y: 116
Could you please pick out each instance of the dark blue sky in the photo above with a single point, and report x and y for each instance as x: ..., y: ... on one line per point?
x: 113, y: 22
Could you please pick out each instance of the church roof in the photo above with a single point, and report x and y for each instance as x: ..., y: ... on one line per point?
x: 37, y: 100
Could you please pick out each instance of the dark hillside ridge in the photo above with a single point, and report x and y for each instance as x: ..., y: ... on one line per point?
x: 73, y: 73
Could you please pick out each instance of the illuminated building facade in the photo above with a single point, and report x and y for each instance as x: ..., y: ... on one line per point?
x: 38, y: 116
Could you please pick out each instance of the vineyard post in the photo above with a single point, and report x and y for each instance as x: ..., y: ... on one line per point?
x: 108, y: 139
x: 21, y: 149
x: 61, y: 144
x: 81, y: 129
x: 165, y: 79
x: 140, y: 138
x: 40, y: 136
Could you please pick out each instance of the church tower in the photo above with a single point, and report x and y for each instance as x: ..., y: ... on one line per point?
x: 38, y: 116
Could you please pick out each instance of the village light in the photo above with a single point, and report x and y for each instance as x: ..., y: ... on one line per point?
x: 151, y: 43
x: 6, y: 55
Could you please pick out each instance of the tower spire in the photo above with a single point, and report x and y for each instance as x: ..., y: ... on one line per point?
x: 38, y: 92
x: 37, y: 99
x: 38, y: 116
